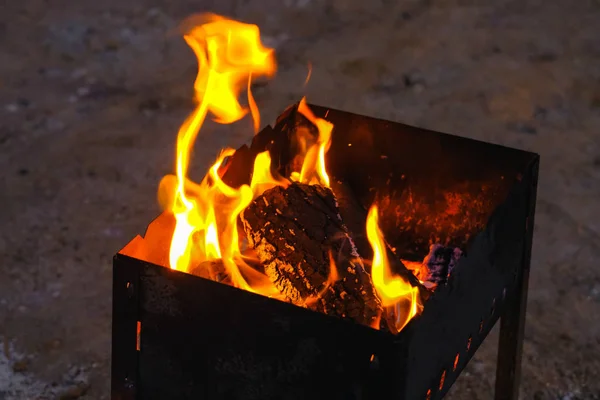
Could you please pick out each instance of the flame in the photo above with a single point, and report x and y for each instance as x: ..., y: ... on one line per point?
x: 262, y: 179
x: 313, y: 167
x: 229, y: 54
x: 398, y: 296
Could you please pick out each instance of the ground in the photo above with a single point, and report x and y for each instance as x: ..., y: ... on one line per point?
x: 92, y: 94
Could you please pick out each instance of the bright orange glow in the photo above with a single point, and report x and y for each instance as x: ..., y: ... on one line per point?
x: 313, y: 168
x: 442, y: 380
x: 229, y: 54
x: 262, y: 179
x: 399, y: 297
x: 455, y: 362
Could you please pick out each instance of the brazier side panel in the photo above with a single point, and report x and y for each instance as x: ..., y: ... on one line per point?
x: 202, y: 339
x: 124, y: 360
x: 460, y: 315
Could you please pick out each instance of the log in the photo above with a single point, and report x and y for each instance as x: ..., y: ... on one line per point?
x: 437, y: 266
x: 439, y: 263
x: 296, y: 232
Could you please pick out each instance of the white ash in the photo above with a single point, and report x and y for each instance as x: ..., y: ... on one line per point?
x: 354, y: 250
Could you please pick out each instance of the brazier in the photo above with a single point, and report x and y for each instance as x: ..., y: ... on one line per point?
x: 178, y: 336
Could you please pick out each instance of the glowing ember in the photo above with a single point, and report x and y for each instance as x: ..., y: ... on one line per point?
x: 398, y: 296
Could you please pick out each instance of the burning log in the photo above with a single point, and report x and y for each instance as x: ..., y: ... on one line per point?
x: 306, y: 251
x: 436, y: 267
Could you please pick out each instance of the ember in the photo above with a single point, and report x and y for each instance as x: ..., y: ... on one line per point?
x: 334, y: 213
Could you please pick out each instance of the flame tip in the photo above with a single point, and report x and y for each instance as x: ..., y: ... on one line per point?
x: 393, y: 291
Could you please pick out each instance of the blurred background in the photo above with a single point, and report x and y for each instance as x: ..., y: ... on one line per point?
x: 92, y: 94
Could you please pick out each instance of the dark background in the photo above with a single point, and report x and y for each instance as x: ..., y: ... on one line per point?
x: 92, y: 94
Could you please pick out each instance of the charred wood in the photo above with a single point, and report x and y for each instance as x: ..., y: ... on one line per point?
x: 295, y: 135
x: 297, y: 232
x: 238, y: 169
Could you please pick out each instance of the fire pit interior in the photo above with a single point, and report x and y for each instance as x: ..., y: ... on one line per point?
x: 336, y: 256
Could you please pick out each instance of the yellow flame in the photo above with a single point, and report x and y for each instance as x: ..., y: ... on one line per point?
x: 313, y: 167
x: 229, y: 54
x: 262, y: 179
x: 397, y: 295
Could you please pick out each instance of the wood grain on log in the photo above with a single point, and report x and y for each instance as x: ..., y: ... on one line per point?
x: 295, y: 232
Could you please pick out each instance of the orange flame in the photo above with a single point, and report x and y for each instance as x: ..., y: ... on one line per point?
x: 313, y: 168
x: 262, y: 179
x: 400, y: 299
x: 229, y: 53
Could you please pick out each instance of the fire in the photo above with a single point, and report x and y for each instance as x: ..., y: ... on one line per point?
x: 262, y: 180
x: 229, y: 54
x: 313, y: 168
x: 398, y: 296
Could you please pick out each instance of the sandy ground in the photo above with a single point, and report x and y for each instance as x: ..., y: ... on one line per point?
x: 92, y: 94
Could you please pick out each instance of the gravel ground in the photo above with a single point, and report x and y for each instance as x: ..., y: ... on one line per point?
x: 92, y: 94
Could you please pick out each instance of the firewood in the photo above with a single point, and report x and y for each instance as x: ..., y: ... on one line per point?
x: 439, y: 263
x: 297, y: 232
